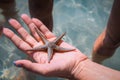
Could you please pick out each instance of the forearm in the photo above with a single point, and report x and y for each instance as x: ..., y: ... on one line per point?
x: 89, y: 70
x: 113, y: 26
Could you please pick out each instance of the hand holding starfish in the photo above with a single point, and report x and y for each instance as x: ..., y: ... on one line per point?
x: 61, y: 63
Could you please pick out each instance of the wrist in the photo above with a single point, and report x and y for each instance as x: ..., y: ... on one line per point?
x: 88, y: 70
x: 78, y: 67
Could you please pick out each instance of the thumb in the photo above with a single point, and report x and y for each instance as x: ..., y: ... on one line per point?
x: 30, y: 66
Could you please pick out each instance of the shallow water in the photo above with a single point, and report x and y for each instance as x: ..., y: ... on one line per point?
x: 83, y: 20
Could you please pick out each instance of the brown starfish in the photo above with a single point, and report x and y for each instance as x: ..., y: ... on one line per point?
x: 50, y: 46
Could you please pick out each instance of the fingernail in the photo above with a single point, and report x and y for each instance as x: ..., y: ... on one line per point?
x: 22, y: 15
x: 17, y: 65
x: 10, y: 19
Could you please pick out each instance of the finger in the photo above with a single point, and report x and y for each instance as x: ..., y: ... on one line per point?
x: 31, y: 26
x: 26, y: 19
x: 34, y: 67
x: 25, y: 35
x: 16, y: 40
x: 43, y: 28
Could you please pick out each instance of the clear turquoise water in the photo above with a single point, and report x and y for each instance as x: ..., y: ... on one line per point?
x: 83, y: 20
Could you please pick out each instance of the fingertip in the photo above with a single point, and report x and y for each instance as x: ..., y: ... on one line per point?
x: 21, y: 63
x: 24, y: 15
x: 8, y: 32
x: 17, y: 65
x: 26, y: 19
x: 11, y: 20
x: 5, y: 30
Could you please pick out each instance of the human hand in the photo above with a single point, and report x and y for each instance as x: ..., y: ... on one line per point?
x: 62, y: 64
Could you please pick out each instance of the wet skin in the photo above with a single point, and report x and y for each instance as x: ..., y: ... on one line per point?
x: 50, y: 46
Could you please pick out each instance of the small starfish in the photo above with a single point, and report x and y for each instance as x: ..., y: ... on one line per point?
x: 50, y: 46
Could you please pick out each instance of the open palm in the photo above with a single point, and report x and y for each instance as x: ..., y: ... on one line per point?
x: 61, y: 63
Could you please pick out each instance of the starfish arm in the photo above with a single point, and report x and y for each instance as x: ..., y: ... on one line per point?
x: 61, y: 49
x: 38, y: 48
x: 41, y: 35
x: 50, y: 54
x: 59, y: 38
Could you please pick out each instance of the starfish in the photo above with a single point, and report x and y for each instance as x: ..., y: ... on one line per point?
x: 50, y: 46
